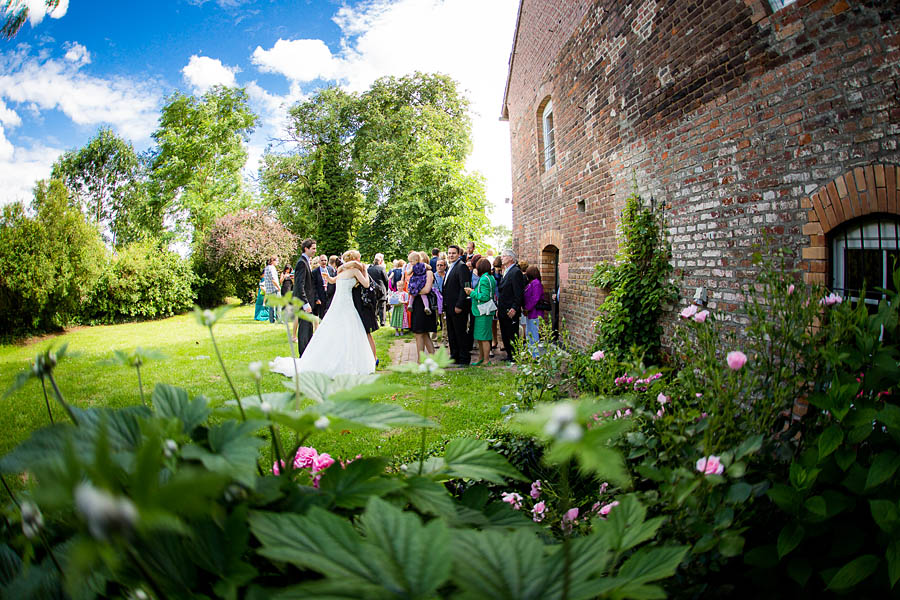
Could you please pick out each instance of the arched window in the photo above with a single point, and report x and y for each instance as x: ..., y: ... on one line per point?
x: 863, y: 254
x: 549, y: 135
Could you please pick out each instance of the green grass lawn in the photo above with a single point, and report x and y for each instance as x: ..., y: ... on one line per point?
x: 461, y: 401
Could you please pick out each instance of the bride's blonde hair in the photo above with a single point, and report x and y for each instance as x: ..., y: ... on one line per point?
x: 350, y: 255
x: 351, y: 259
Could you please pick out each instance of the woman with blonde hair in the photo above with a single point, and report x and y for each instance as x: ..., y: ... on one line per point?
x: 366, y: 312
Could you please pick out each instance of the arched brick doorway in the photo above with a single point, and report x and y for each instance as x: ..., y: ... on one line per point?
x: 860, y: 194
x: 550, y: 279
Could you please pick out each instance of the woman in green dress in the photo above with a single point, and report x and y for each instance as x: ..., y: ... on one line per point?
x: 481, y: 296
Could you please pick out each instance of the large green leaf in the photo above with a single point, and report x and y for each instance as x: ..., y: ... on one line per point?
x: 369, y: 414
x: 122, y: 425
x: 885, y: 514
x: 854, y: 572
x: 471, y: 458
x: 625, y: 526
x: 429, y: 497
x: 48, y: 444
x: 791, y: 535
x: 233, y: 451
x: 884, y: 465
x: 651, y: 564
x: 321, y: 387
x: 10, y: 564
x: 494, y: 564
x: 173, y: 402
x: 829, y: 440
x: 748, y: 446
x: 893, y: 561
x: 352, y: 486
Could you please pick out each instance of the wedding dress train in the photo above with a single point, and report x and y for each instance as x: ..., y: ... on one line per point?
x: 339, y: 346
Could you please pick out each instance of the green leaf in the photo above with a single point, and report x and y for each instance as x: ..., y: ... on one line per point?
x: 494, y: 564
x: 737, y: 470
x: 471, y: 458
x: 845, y: 456
x: 893, y: 561
x: 884, y: 465
x: 738, y: 492
x: 415, y: 560
x: 791, y: 535
x: 233, y: 451
x: 885, y: 514
x: 748, y: 446
x: 854, y: 572
x: 829, y: 440
x: 785, y: 497
x: 799, y: 570
x: 765, y: 557
x: 46, y: 445
x: 651, y: 564
x: 369, y: 414
x: 352, y: 486
x: 817, y: 506
x: 172, y: 402
x: 731, y: 544
x: 724, y: 517
x: 890, y: 416
x: 429, y: 497
x: 122, y: 425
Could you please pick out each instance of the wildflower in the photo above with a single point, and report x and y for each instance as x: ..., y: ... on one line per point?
x: 562, y: 424
x: 790, y: 289
x: 428, y: 366
x: 701, y: 316
x: 538, y: 512
x: 322, y: 423
x: 711, y: 465
x: 627, y: 412
x: 660, y: 413
x: 170, y: 447
x: 689, y: 311
x: 32, y: 519
x: 571, y: 515
x: 598, y: 355
x: 276, y: 468
x: 603, y: 487
x: 265, y: 407
x: 322, y: 462
x: 698, y: 395
x: 736, y: 359
x: 604, y: 510
x: 255, y: 369
x: 104, y: 513
x: 209, y: 318
x: 305, y: 457
x: 831, y: 299
x: 536, y: 489
x: 662, y: 398
x: 513, y: 499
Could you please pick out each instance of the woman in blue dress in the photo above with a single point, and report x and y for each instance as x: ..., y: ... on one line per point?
x: 262, y: 311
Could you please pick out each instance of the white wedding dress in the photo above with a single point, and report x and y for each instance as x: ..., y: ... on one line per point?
x: 339, y: 346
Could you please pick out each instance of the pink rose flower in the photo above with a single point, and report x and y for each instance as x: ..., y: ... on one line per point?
x: 701, y: 316
x: 689, y: 311
x: 736, y: 359
x: 598, y: 355
x: 275, y: 468
x: 536, y: 489
x: 305, y: 457
x: 571, y: 516
x: 790, y: 289
x: 604, y: 510
x: 711, y: 465
x: 513, y: 499
x: 662, y: 398
x: 322, y: 462
x: 603, y: 487
x: 538, y: 512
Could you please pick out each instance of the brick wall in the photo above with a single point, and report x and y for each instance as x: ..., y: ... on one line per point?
x: 735, y: 119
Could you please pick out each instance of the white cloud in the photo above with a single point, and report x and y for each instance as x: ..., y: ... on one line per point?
x: 298, y: 60
x: 469, y: 40
x: 21, y: 167
x: 77, y: 54
x: 8, y: 116
x: 37, y: 9
x: 202, y: 72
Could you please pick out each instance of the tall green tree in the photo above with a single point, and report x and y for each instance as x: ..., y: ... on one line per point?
x: 195, y: 173
x: 105, y: 180
x: 315, y: 191
x: 410, y: 151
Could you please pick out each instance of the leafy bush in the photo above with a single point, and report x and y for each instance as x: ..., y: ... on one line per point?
x: 638, y: 283
x: 144, y: 281
x: 49, y: 262
x: 230, y: 257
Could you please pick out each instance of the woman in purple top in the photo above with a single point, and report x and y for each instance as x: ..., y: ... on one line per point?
x: 534, y: 291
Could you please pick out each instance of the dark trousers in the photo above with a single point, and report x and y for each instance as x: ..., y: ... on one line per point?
x: 509, y: 331
x: 304, y: 334
x: 458, y: 336
x: 379, y: 310
x: 320, y: 309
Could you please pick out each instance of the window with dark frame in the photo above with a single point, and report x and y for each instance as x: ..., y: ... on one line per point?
x: 549, y: 136
x: 777, y: 5
x: 864, y: 255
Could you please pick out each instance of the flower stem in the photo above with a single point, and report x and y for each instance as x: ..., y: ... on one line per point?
x: 146, y: 573
x: 10, y: 492
x: 287, y: 327
x: 46, y: 400
x: 424, y: 429
x: 140, y: 386
x: 59, y: 397
x: 227, y: 376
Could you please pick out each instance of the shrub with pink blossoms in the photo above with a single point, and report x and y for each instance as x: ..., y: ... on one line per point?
x: 710, y: 465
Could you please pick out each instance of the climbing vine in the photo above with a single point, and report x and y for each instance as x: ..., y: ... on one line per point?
x: 639, y: 283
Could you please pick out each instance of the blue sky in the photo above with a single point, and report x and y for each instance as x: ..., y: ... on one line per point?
x: 94, y: 63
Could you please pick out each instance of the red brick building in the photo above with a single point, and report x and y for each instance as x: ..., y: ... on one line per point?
x: 742, y: 117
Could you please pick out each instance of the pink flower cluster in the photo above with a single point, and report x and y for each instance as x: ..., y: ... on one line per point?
x: 619, y: 414
x: 308, y: 457
x: 831, y: 299
x: 691, y: 312
x: 513, y: 499
x: 603, y: 510
x: 598, y: 355
x: 710, y: 465
x: 536, y: 489
x: 639, y: 384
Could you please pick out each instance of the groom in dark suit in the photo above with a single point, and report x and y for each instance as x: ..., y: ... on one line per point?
x: 305, y: 290
x: 510, y: 296
x: 457, y: 306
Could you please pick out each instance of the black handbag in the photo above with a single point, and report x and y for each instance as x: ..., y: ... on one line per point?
x: 369, y: 295
x: 543, y: 305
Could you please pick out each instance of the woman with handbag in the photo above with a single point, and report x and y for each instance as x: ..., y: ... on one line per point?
x: 423, y: 320
x: 533, y: 307
x: 483, y: 309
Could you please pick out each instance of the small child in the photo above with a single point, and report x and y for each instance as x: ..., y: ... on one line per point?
x: 417, y: 281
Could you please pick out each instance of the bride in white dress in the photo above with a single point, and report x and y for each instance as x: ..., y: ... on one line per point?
x: 339, y: 346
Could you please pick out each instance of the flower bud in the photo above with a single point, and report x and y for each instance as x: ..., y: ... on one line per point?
x: 256, y: 369
x: 105, y: 514
x: 322, y: 423
x: 170, y: 447
x: 32, y: 519
x: 265, y: 407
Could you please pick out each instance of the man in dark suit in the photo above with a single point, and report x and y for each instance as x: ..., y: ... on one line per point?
x: 457, y: 306
x: 435, y: 254
x: 323, y: 299
x: 377, y: 274
x: 305, y: 290
x: 510, y: 295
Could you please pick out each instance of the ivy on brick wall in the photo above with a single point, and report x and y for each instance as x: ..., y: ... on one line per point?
x: 639, y: 283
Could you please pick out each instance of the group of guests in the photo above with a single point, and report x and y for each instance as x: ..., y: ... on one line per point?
x: 458, y: 298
